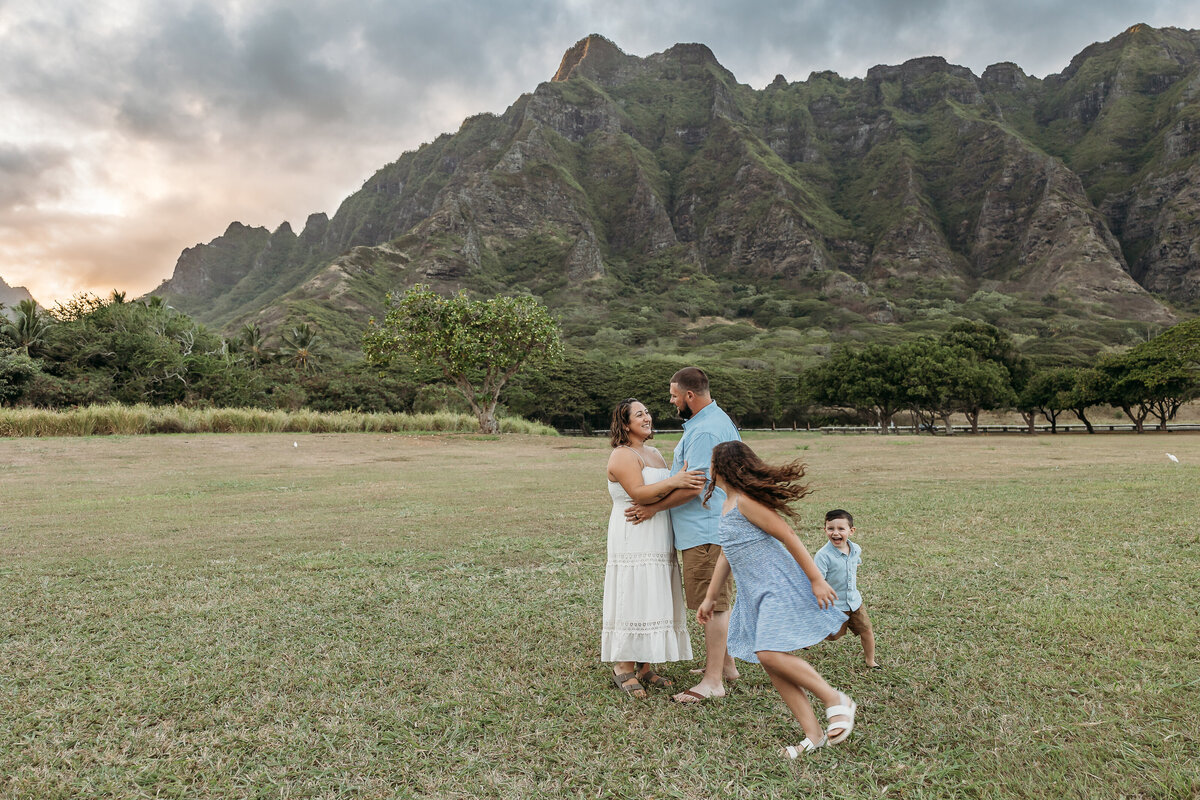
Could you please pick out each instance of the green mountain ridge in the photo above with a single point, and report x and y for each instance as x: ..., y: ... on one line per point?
x: 657, y: 205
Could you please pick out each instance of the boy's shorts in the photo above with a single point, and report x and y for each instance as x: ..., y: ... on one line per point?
x: 858, y: 623
x: 698, y: 565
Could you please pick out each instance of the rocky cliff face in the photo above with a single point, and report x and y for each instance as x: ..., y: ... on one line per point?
x: 663, y: 177
x: 207, y: 271
x: 10, y: 296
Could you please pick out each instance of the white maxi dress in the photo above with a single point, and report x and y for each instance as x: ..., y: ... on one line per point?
x: 644, y: 614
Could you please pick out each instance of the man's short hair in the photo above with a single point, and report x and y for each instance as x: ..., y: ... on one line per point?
x: 691, y: 379
x: 838, y: 513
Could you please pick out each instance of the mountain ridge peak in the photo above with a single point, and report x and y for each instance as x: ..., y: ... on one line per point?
x: 599, y: 53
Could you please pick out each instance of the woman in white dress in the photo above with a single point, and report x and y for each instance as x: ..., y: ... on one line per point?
x: 645, y: 621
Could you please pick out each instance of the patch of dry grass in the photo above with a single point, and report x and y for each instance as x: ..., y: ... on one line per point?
x: 117, y: 419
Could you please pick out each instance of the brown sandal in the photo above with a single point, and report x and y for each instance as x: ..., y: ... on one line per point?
x: 696, y: 700
x: 629, y: 688
x: 654, y: 679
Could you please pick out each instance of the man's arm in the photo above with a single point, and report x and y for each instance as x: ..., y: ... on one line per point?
x: 673, y: 500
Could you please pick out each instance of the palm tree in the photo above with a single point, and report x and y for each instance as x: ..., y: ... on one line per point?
x: 253, y: 344
x: 28, y: 328
x: 300, y: 344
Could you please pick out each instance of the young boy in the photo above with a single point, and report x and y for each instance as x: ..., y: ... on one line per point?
x: 838, y: 561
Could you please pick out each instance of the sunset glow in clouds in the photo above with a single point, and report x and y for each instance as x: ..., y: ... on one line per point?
x: 132, y: 130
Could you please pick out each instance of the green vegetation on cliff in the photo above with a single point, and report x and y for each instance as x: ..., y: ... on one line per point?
x: 658, y: 206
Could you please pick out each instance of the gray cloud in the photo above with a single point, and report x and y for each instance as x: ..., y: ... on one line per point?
x: 28, y: 175
x: 178, y: 116
x: 195, y: 74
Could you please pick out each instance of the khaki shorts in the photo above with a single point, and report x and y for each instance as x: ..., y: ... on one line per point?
x: 859, y: 623
x: 698, y: 565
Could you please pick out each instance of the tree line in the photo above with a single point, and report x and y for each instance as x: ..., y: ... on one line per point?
x: 975, y: 367
x: 433, y: 353
x: 969, y: 369
x: 92, y: 350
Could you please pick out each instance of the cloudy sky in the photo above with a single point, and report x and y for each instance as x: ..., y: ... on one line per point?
x: 131, y: 130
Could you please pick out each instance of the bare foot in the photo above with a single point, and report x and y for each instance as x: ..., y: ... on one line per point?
x: 730, y: 674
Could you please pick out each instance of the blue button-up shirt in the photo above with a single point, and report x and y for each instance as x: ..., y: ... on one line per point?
x: 693, y: 523
x: 841, y: 570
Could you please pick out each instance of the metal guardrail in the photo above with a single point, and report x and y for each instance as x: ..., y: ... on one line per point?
x: 908, y: 430
x: 957, y: 429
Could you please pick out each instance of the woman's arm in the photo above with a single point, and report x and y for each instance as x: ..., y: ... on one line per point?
x: 625, y: 468
x: 776, y: 526
x: 672, y: 500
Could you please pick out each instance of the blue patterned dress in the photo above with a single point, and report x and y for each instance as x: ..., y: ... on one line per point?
x: 775, y: 607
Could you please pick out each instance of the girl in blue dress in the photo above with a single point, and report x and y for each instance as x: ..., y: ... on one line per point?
x: 783, y: 603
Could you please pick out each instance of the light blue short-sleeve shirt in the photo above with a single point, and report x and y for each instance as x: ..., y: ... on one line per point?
x: 693, y: 523
x: 841, y: 570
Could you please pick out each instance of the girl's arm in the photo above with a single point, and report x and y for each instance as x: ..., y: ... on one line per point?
x: 625, y: 469
x: 720, y: 575
x: 776, y: 526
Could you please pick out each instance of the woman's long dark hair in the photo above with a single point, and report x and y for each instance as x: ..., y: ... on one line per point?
x: 774, y: 487
x: 617, y: 434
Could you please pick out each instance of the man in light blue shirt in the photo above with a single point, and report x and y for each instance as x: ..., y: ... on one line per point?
x: 705, y: 426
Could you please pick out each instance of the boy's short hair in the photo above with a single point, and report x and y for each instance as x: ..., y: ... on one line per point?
x: 839, y: 513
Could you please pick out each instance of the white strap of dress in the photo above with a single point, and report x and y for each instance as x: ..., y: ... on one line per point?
x: 636, y: 453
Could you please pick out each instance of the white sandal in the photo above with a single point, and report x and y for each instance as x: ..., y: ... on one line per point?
x: 839, y: 731
x: 794, y: 751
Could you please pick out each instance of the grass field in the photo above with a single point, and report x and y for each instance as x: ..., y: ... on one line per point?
x: 371, y: 615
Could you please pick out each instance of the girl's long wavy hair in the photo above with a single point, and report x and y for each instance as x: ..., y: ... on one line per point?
x: 774, y: 487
